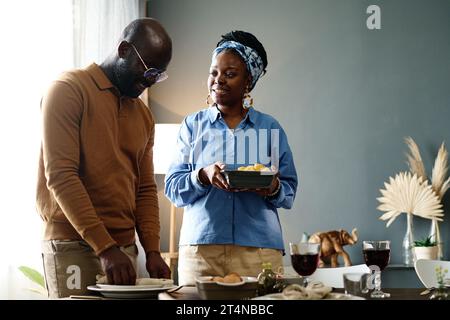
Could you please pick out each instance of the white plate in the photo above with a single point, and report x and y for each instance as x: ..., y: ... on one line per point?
x: 125, y: 292
x: 207, y: 279
x: 330, y: 296
x: 342, y: 296
x: 133, y: 287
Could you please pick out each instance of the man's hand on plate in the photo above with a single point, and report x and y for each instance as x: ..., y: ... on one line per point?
x: 117, y: 267
x: 156, y: 266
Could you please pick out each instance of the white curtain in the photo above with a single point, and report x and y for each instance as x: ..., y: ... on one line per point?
x: 36, y: 46
x: 40, y: 39
x: 97, y: 27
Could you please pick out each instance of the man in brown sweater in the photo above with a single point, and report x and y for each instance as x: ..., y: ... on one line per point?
x: 96, y: 185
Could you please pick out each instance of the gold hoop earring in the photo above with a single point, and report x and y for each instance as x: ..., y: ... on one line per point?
x: 247, y: 102
x: 207, y: 100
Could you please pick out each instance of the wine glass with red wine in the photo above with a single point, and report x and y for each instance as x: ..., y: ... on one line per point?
x: 304, y: 258
x: 376, y: 256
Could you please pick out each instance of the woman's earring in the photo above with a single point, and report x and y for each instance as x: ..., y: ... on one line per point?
x: 247, y: 102
x: 207, y: 100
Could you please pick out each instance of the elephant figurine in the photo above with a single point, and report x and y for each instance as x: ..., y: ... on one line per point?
x: 331, y: 246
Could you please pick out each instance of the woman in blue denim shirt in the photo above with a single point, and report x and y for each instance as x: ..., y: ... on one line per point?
x: 227, y: 230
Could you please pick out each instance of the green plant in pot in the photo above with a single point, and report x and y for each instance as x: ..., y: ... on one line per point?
x: 36, y: 277
x: 425, y: 248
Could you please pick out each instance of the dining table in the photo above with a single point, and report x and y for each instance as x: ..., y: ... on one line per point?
x: 191, y: 293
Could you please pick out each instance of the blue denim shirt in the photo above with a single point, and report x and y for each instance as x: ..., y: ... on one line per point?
x: 214, y: 216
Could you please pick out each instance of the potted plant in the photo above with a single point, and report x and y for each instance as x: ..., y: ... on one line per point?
x: 425, y: 248
x: 37, y: 278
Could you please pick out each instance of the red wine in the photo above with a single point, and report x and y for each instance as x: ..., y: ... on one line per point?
x: 378, y: 258
x: 305, y: 264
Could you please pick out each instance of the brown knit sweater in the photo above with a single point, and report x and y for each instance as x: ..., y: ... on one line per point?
x: 95, y: 179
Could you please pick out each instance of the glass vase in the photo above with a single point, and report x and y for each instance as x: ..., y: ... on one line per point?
x: 435, y: 235
x: 408, y: 242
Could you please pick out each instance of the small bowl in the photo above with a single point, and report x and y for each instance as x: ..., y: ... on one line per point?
x: 288, y: 279
x: 447, y: 282
x: 248, y: 179
x: 212, y: 290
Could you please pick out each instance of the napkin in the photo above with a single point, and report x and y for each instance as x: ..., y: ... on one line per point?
x: 314, y: 290
x: 101, y: 279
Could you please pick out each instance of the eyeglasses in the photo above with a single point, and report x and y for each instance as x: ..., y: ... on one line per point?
x: 151, y: 74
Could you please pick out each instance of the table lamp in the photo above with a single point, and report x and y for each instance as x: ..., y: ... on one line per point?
x: 163, y: 153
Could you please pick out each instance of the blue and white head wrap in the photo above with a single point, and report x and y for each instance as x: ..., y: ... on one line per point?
x: 251, y: 58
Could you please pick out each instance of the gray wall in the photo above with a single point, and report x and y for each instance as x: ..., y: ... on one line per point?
x: 346, y: 96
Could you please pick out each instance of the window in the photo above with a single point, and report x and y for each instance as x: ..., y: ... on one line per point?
x: 37, y: 44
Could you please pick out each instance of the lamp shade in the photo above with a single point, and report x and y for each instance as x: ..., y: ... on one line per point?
x: 164, y: 146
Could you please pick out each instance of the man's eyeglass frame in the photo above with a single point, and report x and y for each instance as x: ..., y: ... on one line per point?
x: 151, y: 74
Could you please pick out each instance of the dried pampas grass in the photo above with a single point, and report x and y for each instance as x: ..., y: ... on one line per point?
x: 440, y: 183
x: 438, y: 176
x: 439, y: 180
x: 414, y: 159
x: 409, y: 194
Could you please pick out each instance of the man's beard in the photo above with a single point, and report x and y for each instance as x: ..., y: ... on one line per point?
x: 126, y: 82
